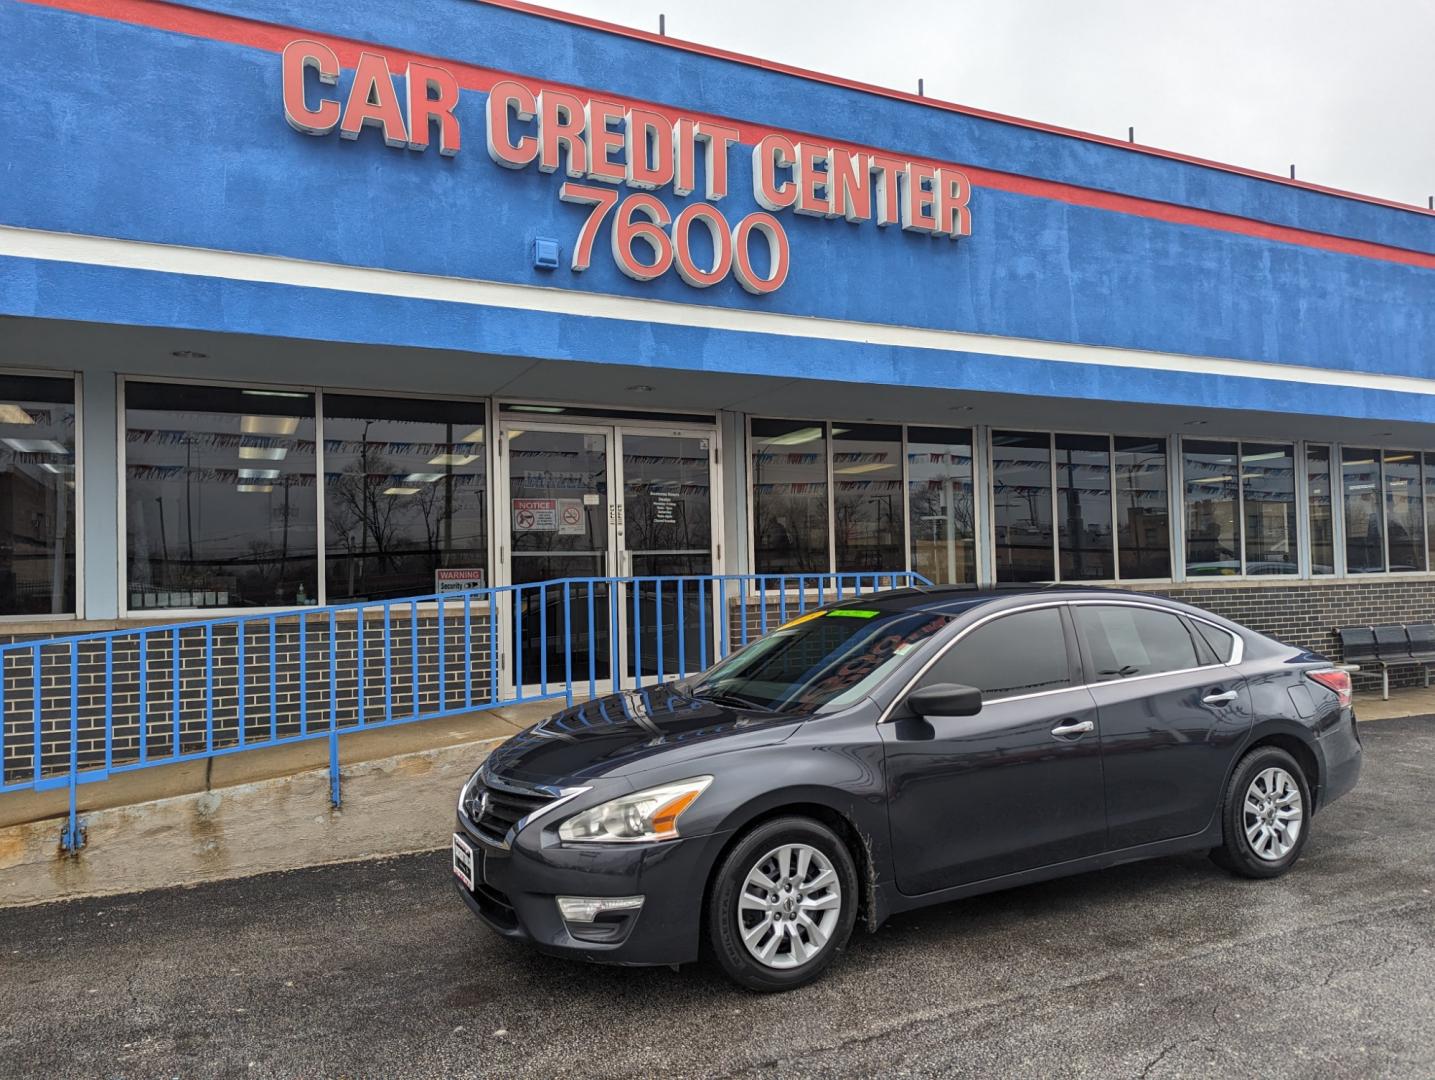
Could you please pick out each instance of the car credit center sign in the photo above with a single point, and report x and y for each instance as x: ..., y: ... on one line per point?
x: 601, y: 146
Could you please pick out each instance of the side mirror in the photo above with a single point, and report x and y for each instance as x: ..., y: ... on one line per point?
x: 945, y: 699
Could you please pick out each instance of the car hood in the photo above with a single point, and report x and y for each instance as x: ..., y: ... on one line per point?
x: 632, y: 731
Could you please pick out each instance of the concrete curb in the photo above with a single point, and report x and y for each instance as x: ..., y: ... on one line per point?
x: 392, y: 806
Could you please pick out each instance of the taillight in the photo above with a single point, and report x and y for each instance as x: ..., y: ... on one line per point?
x: 1336, y: 680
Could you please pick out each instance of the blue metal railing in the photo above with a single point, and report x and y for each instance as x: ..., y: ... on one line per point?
x: 81, y: 708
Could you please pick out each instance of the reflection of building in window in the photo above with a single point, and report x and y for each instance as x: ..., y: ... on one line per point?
x: 37, y: 495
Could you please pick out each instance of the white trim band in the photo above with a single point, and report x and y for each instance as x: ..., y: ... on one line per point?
x: 301, y: 273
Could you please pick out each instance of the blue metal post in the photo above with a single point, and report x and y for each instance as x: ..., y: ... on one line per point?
x: 71, y: 840
x: 567, y: 644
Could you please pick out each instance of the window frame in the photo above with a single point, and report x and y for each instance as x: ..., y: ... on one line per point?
x: 975, y: 435
x: 989, y: 485
x: 1238, y: 648
x: 1301, y: 510
x: 321, y: 590
x: 76, y: 380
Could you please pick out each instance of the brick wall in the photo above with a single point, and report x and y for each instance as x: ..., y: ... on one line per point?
x: 146, y: 719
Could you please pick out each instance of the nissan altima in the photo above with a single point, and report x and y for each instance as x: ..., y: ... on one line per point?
x: 900, y: 750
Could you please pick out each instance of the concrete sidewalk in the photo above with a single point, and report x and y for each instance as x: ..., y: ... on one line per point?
x: 246, y: 767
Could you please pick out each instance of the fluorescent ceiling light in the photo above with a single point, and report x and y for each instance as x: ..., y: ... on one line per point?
x: 1213, y: 480
x: 474, y: 436
x: 259, y: 474
x: 873, y: 466
x: 269, y: 425
x: 401, y: 491
x: 256, y: 489
x: 795, y: 438
x: 274, y: 393
x: 1399, y: 457
x: 422, y: 477
x: 513, y: 433
x: 263, y: 453
x: 1272, y: 456
x: 13, y: 414
x: 453, y: 459
x: 58, y: 470
x: 36, y: 446
x: 538, y: 408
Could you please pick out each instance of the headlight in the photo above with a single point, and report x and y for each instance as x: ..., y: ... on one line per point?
x: 644, y: 815
x: 463, y: 791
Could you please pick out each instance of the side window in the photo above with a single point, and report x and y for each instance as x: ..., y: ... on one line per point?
x: 1220, y: 641
x: 1123, y: 642
x: 1023, y: 653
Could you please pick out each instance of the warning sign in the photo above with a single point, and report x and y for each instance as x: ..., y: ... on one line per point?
x: 571, y: 519
x: 457, y: 579
x: 535, y: 515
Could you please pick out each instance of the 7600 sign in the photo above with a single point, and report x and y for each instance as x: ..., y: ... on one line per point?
x: 642, y: 218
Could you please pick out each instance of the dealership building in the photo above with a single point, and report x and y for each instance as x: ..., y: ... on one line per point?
x: 305, y: 305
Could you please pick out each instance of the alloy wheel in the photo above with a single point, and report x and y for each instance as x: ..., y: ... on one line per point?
x: 789, y: 906
x: 1273, y: 814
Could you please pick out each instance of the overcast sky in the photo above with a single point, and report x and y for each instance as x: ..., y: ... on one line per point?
x: 1345, y: 91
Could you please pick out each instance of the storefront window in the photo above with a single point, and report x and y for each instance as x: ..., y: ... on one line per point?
x: 1430, y: 508
x: 1021, y: 506
x: 220, y: 497
x: 1143, y: 525
x: 789, y: 496
x: 1213, y: 546
x: 1404, y: 517
x: 404, y: 495
x: 939, y: 497
x: 867, y: 497
x: 1083, y: 507
x: 1322, y: 520
x: 1268, y: 494
x: 1364, y: 531
x: 37, y: 495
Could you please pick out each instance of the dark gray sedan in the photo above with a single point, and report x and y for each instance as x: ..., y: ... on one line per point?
x: 896, y: 751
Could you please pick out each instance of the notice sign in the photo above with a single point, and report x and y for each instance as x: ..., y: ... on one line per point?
x: 572, y: 521
x: 458, y: 579
x: 665, y: 509
x: 535, y: 515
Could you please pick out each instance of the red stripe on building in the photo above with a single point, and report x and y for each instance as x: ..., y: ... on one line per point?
x: 233, y: 30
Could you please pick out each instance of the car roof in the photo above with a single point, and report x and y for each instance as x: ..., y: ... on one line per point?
x: 954, y: 599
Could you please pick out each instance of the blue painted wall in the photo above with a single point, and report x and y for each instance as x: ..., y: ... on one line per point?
x: 94, y: 146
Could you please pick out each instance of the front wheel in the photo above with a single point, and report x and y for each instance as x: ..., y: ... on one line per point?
x: 783, y: 904
x: 1265, y: 816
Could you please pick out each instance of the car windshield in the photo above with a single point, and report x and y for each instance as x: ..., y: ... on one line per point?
x: 820, y: 661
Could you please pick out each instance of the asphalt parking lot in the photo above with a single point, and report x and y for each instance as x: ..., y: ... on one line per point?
x: 1162, y: 969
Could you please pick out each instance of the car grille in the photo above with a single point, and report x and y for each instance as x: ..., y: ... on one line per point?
x: 495, y: 808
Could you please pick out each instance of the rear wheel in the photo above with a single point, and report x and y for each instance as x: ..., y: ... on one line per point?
x: 783, y: 904
x: 1265, y: 816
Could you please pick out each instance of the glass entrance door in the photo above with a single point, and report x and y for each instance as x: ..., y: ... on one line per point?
x: 560, y: 524
x: 667, y: 532
x: 562, y: 520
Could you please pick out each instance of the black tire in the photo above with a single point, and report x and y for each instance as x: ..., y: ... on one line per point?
x: 728, y: 886
x: 1237, y: 853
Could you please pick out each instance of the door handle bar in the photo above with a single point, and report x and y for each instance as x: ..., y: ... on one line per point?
x: 1074, y: 727
x: 1220, y: 698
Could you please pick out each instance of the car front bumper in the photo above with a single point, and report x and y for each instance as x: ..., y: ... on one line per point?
x: 515, y: 892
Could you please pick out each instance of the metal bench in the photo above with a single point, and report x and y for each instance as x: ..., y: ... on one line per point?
x: 1388, y: 646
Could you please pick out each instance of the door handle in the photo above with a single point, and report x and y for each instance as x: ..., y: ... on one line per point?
x: 1220, y: 698
x: 1073, y: 727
